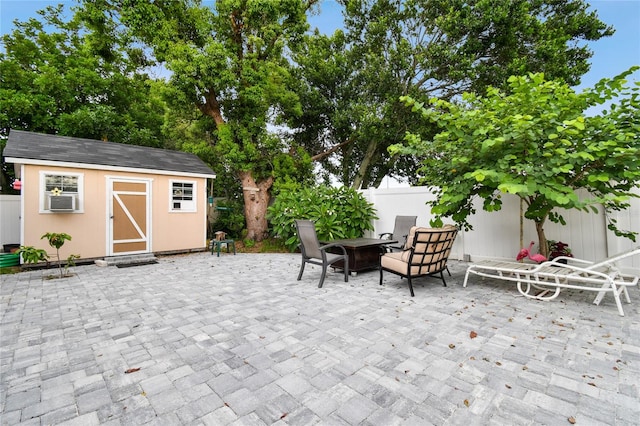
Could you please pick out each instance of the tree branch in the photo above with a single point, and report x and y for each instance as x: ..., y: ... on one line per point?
x: 330, y: 151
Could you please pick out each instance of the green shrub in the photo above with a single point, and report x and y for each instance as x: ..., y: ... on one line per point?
x: 31, y: 254
x: 337, y: 213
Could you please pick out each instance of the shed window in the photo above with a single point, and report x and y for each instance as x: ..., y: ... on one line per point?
x: 61, y: 192
x: 183, y: 196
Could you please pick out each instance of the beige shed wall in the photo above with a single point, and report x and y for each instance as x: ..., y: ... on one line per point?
x: 170, y: 231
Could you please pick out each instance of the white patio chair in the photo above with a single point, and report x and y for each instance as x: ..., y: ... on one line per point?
x: 552, y: 276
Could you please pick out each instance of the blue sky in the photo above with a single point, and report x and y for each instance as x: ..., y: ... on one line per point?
x: 612, y: 55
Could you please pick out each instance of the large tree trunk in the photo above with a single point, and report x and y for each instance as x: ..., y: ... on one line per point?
x: 256, y: 201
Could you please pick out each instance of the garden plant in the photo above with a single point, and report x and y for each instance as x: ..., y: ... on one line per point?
x: 337, y: 213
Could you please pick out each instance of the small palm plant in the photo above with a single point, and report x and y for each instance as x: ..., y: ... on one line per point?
x: 56, y: 240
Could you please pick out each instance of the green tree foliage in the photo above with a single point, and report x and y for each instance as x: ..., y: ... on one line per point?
x: 352, y: 80
x: 230, y: 62
x: 55, y: 77
x: 337, y: 213
x: 536, y: 142
x: 56, y: 80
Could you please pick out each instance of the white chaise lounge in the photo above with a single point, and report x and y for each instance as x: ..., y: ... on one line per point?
x: 538, y: 281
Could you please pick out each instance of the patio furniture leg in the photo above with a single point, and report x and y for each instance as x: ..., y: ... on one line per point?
x: 410, y: 286
x: 324, y: 273
x: 301, y: 270
x: 444, y: 283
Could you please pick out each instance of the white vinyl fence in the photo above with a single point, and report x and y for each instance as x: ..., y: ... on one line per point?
x: 9, y: 219
x: 496, y: 235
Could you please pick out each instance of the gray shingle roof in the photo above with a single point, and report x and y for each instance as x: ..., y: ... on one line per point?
x: 38, y: 146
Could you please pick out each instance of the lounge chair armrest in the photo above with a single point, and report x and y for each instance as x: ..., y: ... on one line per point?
x: 570, y: 259
x: 387, y: 234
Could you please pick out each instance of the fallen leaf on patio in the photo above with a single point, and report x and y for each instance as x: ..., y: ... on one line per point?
x: 226, y: 405
x: 592, y: 384
x: 284, y: 415
x: 466, y: 402
x: 143, y: 393
x: 451, y: 346
x: 473, y: 334
x: 572, y: 420
x: 406, y: 371
x: 510, y: 319
x: 610, y: 343
x: 507, y: 386
x: 472, y: 358
x: 498, y: 363
x: 541, y: 337
x: 524, y: 367
x: 132, y: 370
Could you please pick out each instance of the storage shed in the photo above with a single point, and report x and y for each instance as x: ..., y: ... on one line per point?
x: 113, y: 199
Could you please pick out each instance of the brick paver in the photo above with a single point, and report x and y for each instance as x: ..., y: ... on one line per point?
x: 236, y: 340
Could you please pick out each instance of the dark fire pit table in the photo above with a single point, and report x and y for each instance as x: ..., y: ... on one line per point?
x: 364, y: 253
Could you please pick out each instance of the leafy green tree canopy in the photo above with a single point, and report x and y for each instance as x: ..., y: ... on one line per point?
x: 229, y: 61
x: 422, y: 49
x: 536, y: 142
x: 57, y: 78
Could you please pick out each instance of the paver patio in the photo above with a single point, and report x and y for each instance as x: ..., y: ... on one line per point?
x: 236, y: 340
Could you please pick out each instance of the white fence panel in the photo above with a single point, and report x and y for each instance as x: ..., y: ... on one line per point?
x: 9, y: 219
x: 627, y: 219
x: 496, y: 235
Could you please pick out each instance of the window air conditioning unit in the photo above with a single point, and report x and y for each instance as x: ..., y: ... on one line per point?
x: 62, y: 203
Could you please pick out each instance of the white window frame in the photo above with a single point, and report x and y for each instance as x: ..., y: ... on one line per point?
x: 185, y: 205
x: 43, y: 201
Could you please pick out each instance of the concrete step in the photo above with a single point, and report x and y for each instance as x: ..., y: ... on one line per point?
x: 129, y: 259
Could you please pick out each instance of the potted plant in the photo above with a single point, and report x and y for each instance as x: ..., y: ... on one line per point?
x: 557, y: 249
